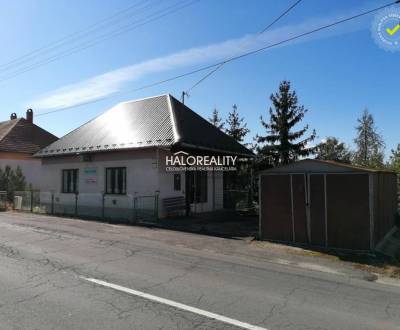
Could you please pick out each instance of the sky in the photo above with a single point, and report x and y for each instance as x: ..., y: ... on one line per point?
x: 83, y: 57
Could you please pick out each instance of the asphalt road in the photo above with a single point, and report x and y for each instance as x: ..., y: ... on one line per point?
x: 158, y: 279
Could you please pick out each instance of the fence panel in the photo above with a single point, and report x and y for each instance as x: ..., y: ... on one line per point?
x: 236, y: 199
x: 90, y: 206
x: 118, y: 208
x: 65, y: 204
x: 146, y: 208
x: 3, y: 200
x: 23, y: 200
x: 114, y: 208
x: 42, y: 202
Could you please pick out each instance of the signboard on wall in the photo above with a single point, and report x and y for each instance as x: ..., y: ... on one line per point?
x: 90, y: 175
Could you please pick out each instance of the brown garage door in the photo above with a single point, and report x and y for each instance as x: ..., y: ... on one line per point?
x: 317, y: 209
x: 276, y: 215
x: 299, y: 208
x: 348, y: 211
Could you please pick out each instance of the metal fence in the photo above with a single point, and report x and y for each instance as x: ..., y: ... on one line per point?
x: 236, y: 199
x: 113, y: 208
x: 3, y: 200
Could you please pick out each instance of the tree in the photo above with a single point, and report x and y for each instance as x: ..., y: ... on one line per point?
x: 216, y: 120
x: 332, y: 149
x: 236, y: 128
x: 394, y: 159
x: 12, y: 181
x: 370, y: 144
x: 281, y: 145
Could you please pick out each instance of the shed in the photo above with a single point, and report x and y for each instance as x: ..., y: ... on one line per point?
x: 328, y: 204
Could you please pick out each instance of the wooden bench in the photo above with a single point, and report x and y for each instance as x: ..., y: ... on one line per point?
x: 174, y: 204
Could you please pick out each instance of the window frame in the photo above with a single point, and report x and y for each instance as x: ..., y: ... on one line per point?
x: 74, y: 177
x: 177, y: 182
x: 199, y: 187
x: 112, y: 191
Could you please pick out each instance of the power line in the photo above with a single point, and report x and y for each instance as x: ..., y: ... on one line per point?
x: 280, y: 16
x: 261, y: 32
x: 75, y: 35
x: 153, y: 17
x: 324, y: 27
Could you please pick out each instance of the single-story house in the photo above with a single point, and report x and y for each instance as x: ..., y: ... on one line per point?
x: 124, y: 153
x: 20, y: 139
x: 327, y: 204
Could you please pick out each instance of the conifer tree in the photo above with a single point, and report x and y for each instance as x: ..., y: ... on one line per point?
x: 282, y: 144
x: 11, y: 181
x: 235, y: 126
x: 394, y: 159
x: 332, y: 149
x: 216, y: 120
x: 370, y: 144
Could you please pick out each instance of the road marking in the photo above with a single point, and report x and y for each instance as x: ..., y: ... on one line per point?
x: 175, y: 304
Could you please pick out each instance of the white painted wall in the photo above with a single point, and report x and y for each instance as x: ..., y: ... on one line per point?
x: 146, y: 175
x: 31, y: 168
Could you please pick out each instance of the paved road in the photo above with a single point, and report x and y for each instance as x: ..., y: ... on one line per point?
x: 44, y: 262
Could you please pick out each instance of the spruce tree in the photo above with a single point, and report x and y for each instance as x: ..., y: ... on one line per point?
x: 235, y: 126
x: 216, y: 120
x: 370, y: 144
x: 394, y: 160
x: 332, y: 149
x: 282, y: 145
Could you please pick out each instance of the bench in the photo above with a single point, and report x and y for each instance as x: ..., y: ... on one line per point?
x: 174, y: 204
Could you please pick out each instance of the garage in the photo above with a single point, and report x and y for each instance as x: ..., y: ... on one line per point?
x: 327, y: 204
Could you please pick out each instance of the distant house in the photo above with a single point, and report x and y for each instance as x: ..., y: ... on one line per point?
x: 20, y: 139
x: 123, y: 153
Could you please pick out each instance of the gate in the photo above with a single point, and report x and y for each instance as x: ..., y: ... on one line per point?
x: 319, y: 209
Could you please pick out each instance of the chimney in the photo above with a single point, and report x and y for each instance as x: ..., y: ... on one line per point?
x: 13, y: 116
x: 29, y: 116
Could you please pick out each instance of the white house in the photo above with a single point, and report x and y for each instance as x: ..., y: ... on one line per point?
x: 122, y: 154
x: 20, y: 139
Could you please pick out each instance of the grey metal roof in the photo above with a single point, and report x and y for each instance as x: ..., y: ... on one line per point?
x: 151, y: 122
x: 321, y: 166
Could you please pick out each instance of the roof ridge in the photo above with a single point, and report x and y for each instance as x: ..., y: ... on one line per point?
x: 174, y: 124
x: 143, y: 99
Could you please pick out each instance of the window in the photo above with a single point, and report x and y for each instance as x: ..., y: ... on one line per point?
x: 70, y: 181
x: 198, y: 187
x: 177, y: 182
x: 116, y: 180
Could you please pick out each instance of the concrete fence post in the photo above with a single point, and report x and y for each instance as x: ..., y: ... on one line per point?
x: 31, y: 200
x: 76, y: 205
x: 103, y: 206
x: 135, y: 202
x: 52, y: 202
x: 156, y: 200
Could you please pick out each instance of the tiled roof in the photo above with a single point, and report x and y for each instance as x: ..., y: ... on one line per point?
x: 19, y: 135
x: 155, y: 121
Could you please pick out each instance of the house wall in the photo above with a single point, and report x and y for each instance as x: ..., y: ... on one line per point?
x: 146, y: 176
x: 214, y: 187
x: 31, y: 167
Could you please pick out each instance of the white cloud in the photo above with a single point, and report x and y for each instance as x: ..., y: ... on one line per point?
x: 108, y: 83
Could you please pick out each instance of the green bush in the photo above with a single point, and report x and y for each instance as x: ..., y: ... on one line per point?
x: 11, y: 180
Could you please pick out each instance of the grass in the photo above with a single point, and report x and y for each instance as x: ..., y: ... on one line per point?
x: 372, y: 263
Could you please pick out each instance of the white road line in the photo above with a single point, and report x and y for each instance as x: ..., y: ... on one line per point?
x: 175, y: 304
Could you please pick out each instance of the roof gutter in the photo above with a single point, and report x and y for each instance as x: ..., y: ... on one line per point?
x: 188, y: 145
